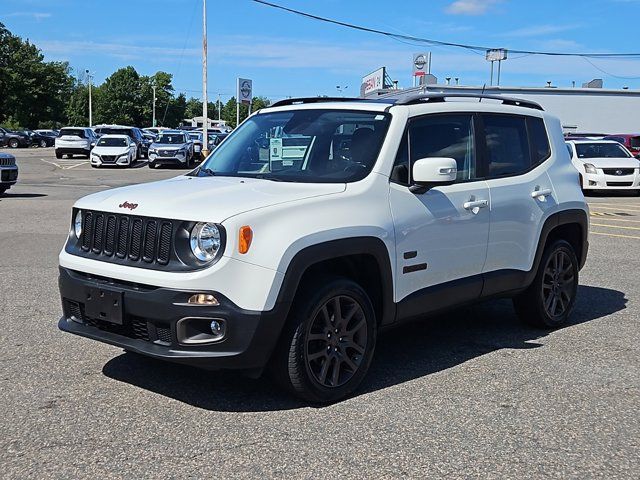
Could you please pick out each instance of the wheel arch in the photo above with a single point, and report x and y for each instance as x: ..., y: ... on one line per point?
x: 366, y: 260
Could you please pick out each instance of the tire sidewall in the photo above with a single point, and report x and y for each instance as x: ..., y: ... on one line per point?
x: 555, y: 322
x: 303, y: 315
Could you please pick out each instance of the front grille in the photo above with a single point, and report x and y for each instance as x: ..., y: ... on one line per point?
x: 167, y: 153
x: 618, y: 171
x: 9, y: 175
x: 135, y: 240
x: 108, y: 158
x: 7, y: 160
x: 619, y: 184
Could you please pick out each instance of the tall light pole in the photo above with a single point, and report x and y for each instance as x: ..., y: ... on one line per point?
x: 205, y: 149
x: 89, y: 77
x: 153, y: 120
x: 219, y: 108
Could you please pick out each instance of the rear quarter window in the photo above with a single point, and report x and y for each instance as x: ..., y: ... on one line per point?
x: 539, y: 140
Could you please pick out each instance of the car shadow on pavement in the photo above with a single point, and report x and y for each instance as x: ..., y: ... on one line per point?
x: 8, y: 195
x: 405, y: 353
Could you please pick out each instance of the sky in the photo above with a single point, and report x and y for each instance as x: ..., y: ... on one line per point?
x: 287, y: 55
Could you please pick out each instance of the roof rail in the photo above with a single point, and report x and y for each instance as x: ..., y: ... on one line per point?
x: 303, y: 100
x: 442, y: 97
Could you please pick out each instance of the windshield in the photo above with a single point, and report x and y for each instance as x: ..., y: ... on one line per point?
x: 601, y: 150
x: 195, y: 136
x: 112, y: 142
x: 310, y: 146
x: 171, y: 139
x: 77, y: 132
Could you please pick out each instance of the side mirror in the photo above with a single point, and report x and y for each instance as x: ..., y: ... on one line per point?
x: 432, y: 172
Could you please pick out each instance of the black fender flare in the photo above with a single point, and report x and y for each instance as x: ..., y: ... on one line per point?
x: 335, y: 249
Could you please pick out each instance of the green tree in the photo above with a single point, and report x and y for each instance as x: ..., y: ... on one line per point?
x: 32, y: 92
x: 119, y: 98
x: 164, y: 96
x: 193, y: 108
x: 229, y: 109
x: 176, y: 111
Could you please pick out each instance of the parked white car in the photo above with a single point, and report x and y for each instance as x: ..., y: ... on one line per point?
x: 75, y: 141
x: 319, y: 224
x: 604, y: 165
x: 114, y: 150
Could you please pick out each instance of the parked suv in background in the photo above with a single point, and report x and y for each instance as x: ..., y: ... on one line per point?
x: 172, y: 147
x: 14, y: 139
x: 142, y: 146
x: 318, y: 224
x: 604, y: 165
x: 75, y: 141
x: 631, y: 142
x: 8, y: 172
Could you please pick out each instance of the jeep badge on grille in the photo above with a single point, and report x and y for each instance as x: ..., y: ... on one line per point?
x: 130, y: 206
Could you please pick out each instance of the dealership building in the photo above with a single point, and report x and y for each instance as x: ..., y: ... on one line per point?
x: 581, y: 110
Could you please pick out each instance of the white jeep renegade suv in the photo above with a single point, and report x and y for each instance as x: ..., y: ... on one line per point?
x: 318, y: 224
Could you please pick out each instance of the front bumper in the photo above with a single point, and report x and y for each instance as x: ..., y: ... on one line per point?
x: 602, y: 181
x: 73, y: 150
x: 149, y: 319
x: 8, y: 175
x: 162, y: 160
x: 116, y: 160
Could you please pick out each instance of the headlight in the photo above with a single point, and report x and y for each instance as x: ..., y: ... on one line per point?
x: 205, y: 241
x: 589, y: 168
x: 152, y: 150
x: 77, y: 224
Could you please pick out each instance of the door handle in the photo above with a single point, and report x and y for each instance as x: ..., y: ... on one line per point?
x: 475, y: 205
x: 541, y: 193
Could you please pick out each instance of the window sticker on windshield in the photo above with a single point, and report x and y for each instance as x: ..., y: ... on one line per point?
x: 379, y: 117
x: 275, y: 152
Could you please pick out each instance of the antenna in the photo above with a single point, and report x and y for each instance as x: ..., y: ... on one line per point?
x: 482, y: 93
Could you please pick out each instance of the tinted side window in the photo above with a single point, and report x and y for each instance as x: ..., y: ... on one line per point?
x: 449, y: 136
x: 540, y: 149
x: 507, y: 145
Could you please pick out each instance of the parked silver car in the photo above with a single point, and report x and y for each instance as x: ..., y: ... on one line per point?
x: 171, y: 148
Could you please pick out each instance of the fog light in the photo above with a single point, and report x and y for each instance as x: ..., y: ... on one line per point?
x: 203, y: 299
x: 217, y: 328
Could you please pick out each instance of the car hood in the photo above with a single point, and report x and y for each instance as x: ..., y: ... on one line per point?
x: 601, y: 162
x: 110, y: 150
x: 207, y: 199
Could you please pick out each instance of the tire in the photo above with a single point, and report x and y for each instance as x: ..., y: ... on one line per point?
x: 58, y: 155
x: 43, y: 144
x: 69, y: 155
x: 318, y: 359
x: 557, y: 277
x: 2, y: 190
x: 152, y: 165
x: 14, y: 143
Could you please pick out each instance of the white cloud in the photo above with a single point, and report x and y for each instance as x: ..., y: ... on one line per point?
x: 537, y: 30
x: 36, y: 15
x: 470, y: 7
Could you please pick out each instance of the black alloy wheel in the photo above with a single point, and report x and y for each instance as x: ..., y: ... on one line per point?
x: 43, y: 143
x: 336, y: 341
x: 14, y: 143
x: 550, y: 298
x: 328, y: 342
x: 558, y: 284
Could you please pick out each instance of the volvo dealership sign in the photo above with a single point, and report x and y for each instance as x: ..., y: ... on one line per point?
x: 374, y: 81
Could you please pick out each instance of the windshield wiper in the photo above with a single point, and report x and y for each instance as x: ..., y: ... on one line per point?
x: 207, y: 171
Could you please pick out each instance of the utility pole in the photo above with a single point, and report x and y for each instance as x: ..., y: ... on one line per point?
x: 219, y: 107
x: 153, y: 121
x: 205, y: 148
x: 90, y: 109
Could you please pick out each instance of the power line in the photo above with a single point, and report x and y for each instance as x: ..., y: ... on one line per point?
x: 438, y: 42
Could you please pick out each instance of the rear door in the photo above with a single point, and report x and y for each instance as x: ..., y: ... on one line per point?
x: 516, y: 149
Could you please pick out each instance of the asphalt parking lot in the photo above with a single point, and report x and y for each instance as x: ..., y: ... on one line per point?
x: 471, y: 394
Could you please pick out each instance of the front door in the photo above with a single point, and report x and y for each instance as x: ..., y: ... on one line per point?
x: 441, y: 235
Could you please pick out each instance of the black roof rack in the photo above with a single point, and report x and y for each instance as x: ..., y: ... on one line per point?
x: 442, y: 97
x: 303, y: 100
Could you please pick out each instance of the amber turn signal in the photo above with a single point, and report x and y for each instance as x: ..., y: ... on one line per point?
x: 245, y: 238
